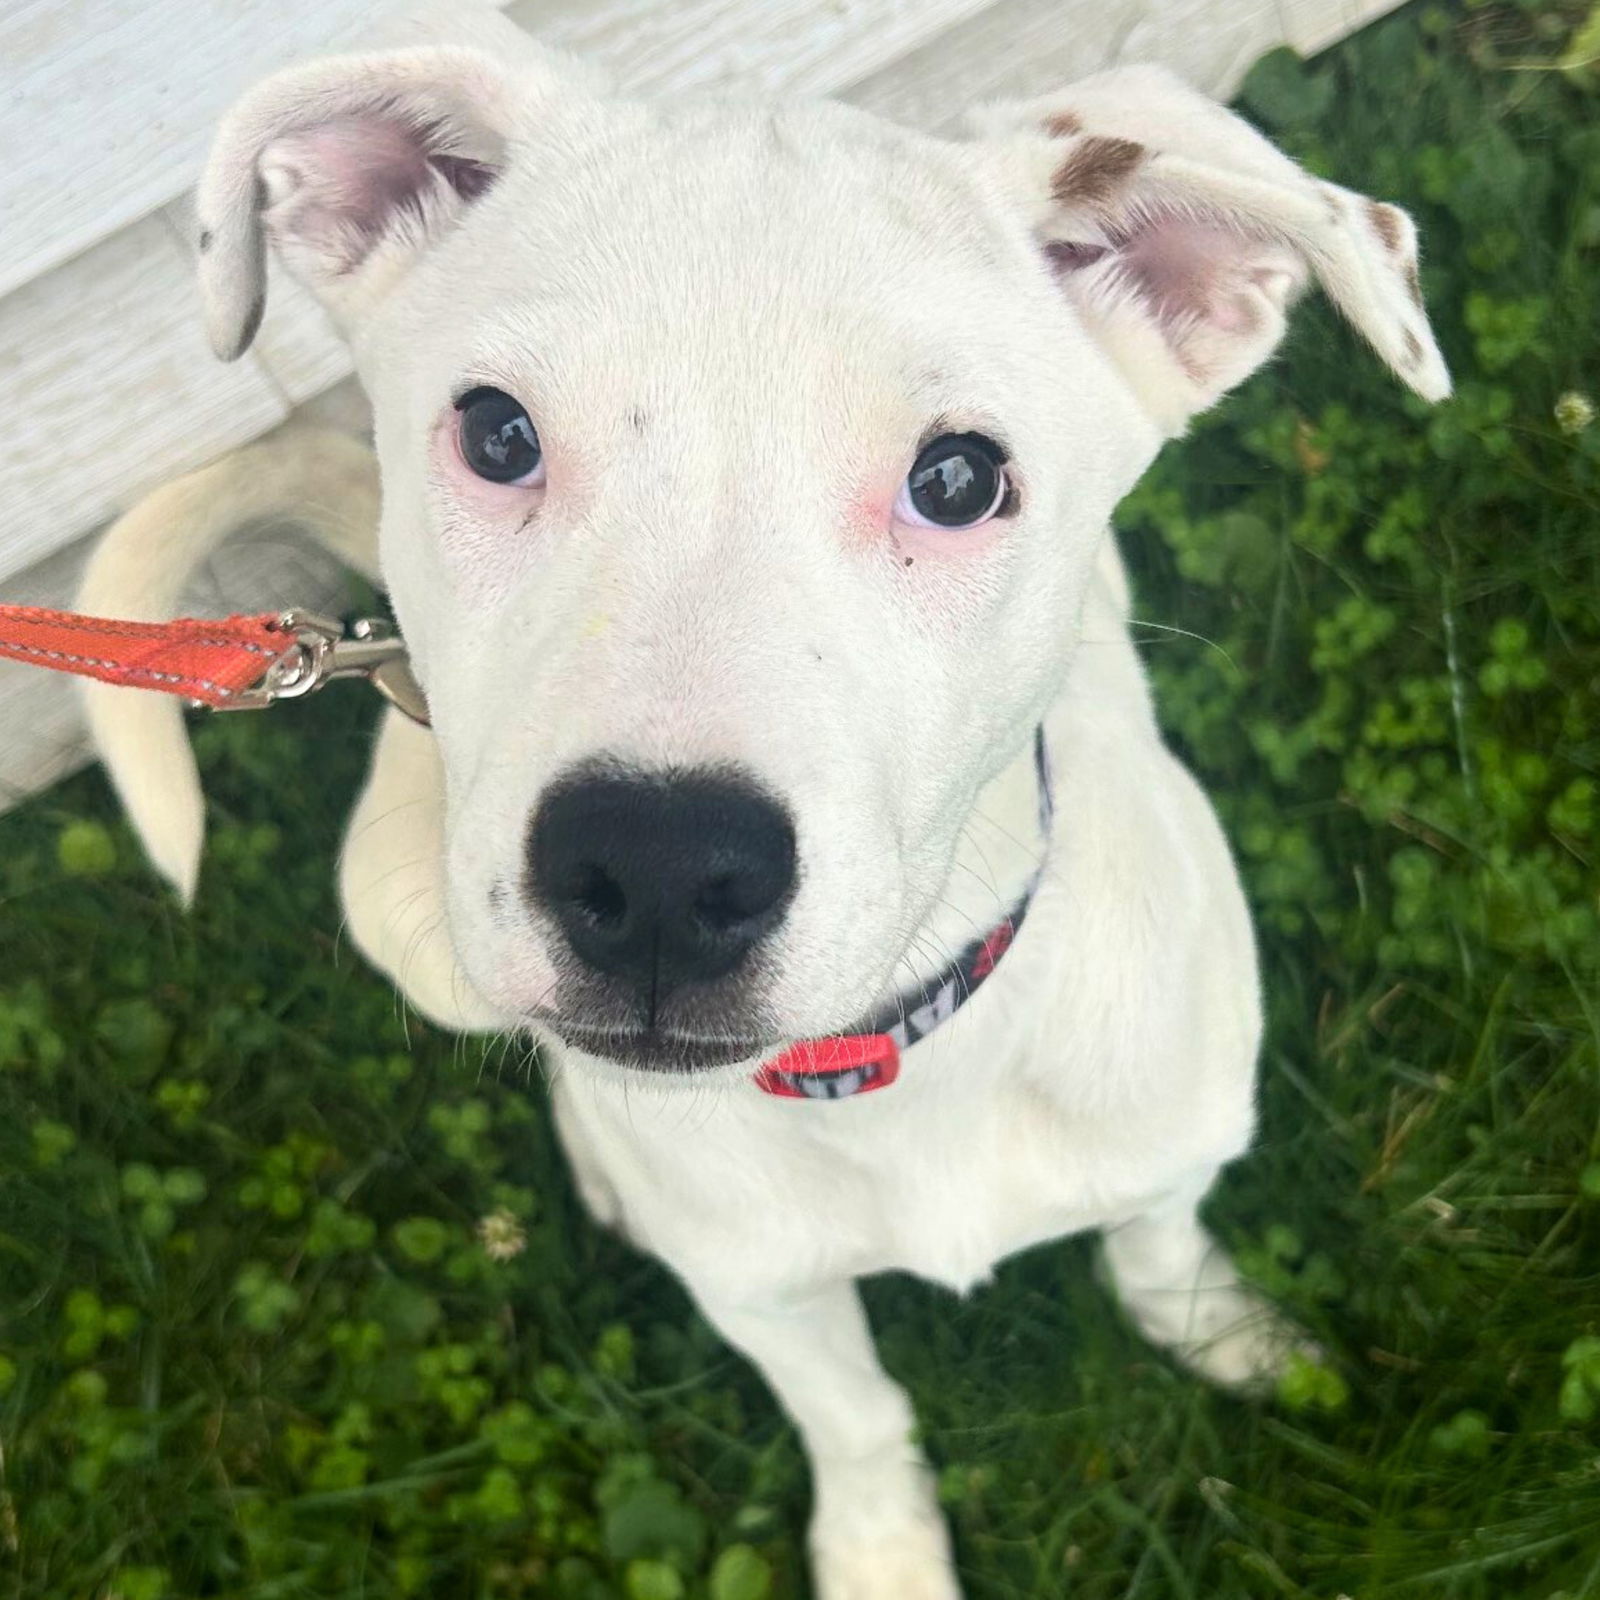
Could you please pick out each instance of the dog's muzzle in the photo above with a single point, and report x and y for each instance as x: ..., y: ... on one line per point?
x: 663, y: 887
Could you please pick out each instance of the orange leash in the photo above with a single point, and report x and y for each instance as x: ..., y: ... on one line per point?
x: 209, y: 661
x: 228, y: 663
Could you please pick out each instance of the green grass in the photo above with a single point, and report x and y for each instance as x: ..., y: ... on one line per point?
x: 253, y: 1344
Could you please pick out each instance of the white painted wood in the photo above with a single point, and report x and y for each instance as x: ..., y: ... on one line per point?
x: 1018, y: 48
x: 297, y: 347
x: 105, y: 105
x: 162, y: 70
x: 42, y: 737
x: 110, y: 389
x: 1313, y: 25
x: 797, y: 46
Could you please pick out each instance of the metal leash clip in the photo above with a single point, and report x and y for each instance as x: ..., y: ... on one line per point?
x: 323, y: 651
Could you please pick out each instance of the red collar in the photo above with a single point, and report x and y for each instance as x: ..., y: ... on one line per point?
x: 844, y: 1065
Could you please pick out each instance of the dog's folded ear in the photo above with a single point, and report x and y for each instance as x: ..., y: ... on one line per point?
x: 349, y: 166
x: 1183, y: 237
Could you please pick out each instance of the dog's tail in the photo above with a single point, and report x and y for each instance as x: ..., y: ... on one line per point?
x: 324, y: 481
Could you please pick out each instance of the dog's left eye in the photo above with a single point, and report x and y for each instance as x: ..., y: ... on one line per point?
x: 957, y: 481
x: 498, y: 439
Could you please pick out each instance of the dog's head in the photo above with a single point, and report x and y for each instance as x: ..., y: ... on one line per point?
x: 744, y: 466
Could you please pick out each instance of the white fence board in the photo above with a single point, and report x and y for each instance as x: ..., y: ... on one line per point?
x: 110, y: 389
x: 1028, y: 47
x: 106, y: 106
x: 799, y: 46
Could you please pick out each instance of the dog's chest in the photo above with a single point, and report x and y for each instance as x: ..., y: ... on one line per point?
x: 949, y: 1196
x: 944, y: 1185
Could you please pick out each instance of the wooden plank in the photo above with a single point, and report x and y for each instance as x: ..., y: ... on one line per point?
x: 1027, y: 47
x: 106, y: 105
x: 275, y: 566
x: 297, y: 347
x: 140, y: 327
x: 110, y: 389
x: 298, y: 350
x: 1313, y: 25
x: 797, y: 46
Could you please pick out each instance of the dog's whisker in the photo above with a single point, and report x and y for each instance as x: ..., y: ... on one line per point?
x: 1034, y: 849
x: 420, y: 935
x: 401, y: 906
x: 365, y: 826
x: 1182, y: 633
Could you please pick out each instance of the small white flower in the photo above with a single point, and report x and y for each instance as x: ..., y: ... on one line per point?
x: 1574, y: 412
x: 501, y: 1235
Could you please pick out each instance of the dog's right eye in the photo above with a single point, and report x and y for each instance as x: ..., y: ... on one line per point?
x: 958, y: 481
x: 498, y: 440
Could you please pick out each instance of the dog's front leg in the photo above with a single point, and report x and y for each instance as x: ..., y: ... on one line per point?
x: 876, y: 1529
x: 391, y: 879
x: 1183, y: 1291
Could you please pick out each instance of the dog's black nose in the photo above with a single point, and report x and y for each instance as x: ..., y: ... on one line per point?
x: 661, y: 880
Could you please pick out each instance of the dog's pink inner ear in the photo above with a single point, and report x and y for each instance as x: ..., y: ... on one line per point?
x: 1188, y: 272
x: 340, y: 185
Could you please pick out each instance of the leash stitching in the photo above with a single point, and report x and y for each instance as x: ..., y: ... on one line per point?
x: 140, y: 630
x: 120, y: 667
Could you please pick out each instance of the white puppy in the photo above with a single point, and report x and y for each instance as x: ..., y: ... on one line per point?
x: 746, y: 472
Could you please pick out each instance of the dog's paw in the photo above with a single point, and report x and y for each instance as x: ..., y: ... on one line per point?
x: 1239, y: 1340
x: 878, y: 1533
x: 906, y: 1562
x: 1218, y: 1326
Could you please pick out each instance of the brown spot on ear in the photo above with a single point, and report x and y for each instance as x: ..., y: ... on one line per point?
x: 1063, y: 125
x: 1094, y: 171
x: 1413, y: 283
x: 1333, y: 202
x: 1413, y: 349
x: 1386, y: 224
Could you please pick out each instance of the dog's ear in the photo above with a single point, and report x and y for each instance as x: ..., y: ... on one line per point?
x: 349, y: 166
x: 1183, y: 237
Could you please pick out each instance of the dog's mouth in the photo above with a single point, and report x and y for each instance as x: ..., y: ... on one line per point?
x: 655, y: 1050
